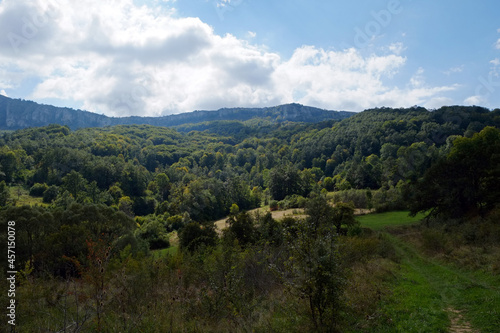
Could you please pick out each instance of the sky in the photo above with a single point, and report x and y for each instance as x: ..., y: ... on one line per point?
x: 160, y: 57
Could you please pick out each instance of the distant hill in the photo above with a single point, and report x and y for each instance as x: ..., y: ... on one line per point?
x: 17, y: 114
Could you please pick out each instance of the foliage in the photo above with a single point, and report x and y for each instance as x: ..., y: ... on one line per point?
x: 194, y: 236
x: 314, y: 266
x: 129, y: 187
x: 38, y: 189
x: 4, y: 194
x: 465, y: 182
x: 241, y: 228
x: 284, y: 181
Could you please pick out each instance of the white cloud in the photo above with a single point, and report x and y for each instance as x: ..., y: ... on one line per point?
x: 120, y: 59
x: 3, y: 93
x: 475, y: 100
x: 417, y: 80
x: 437, y: 102
x: 453, y: 70
x: 397, y: 48
x: 346, y: 80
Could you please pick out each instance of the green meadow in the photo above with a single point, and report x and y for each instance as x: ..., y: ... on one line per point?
x: 378, y: 221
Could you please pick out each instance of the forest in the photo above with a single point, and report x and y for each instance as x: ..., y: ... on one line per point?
x: 116, y: 226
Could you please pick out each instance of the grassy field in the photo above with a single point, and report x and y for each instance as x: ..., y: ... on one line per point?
x: 21, y: 196
x: 428, y: 296
x: 163, y: 252
x: 173, y: 249
x: 390, y: 219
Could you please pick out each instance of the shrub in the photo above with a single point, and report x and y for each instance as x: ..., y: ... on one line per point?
x: 38, y: 189
x: 273, y: 205
x: 434, y: 240
x: 194, y: 236
x: 50, y: 194
x: 292, y: 201
x: 154, y: 231
x: 357, y: 197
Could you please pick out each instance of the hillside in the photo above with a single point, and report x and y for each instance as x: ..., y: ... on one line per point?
x: 125, y: 215
x: 17, y: 114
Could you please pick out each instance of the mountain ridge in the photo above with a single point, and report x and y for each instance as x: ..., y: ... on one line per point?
x: 17, y: 114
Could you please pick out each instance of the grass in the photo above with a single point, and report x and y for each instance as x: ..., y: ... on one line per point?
x: 390, y: 219
x: 164, y: 252
x: 21, y: 196
x: 428, y: 295
x: 426, y: 291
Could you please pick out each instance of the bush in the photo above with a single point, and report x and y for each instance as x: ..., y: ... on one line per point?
x: 154, y: 231
x: 273, y: 205
x: 38, y: 189
x: 292, y: 201
x: 357, y: 197
x: 175, y: 222
x: 194, y: 236
x: 242, y: 228
x: 50, y: 194
x: 434, y: 240
x: 385, y: 200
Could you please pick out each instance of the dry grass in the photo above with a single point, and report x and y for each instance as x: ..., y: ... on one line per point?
x: 277, y: 215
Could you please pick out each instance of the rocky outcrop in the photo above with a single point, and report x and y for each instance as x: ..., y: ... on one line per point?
x: 17, y: 114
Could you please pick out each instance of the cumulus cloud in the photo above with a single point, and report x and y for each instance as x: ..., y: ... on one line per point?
x: 476, y: 100
x: 118, y: 58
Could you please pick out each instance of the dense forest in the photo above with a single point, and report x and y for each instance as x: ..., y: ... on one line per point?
x: 117, y: 223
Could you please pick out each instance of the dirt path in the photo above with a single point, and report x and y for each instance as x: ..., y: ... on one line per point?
x: 458, y: 324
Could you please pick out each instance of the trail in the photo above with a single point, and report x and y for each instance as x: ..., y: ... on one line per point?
x: 437, y: 296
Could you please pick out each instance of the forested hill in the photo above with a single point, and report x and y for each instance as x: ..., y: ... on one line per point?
x: 17, y: 114
x: 88, y: 206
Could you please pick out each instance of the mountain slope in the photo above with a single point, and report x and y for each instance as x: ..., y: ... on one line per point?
x: 17, y: 114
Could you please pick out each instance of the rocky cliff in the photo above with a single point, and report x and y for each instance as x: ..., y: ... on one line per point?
x: 17, y: 114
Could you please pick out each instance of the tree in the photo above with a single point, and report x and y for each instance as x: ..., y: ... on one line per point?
x: 38, y: 189
x: 234, y: 210
x: 154, y: 232
x: 270, y: 231
x: 284, y: 181
x: 75, y: 184
x: 4, y: 194
x: 465, y: 182
x: 125, y: 204
x: 162, y: 182
x: 314, y: 273
x: 93, y: 192
x: 320, y: 214
x: 194, y: 235
x: 50, y: 194
x: 343, y: 214
x: 241, y: 227
x: 10, y: 163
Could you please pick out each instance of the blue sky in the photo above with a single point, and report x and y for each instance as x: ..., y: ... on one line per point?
x: 156, y: 57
